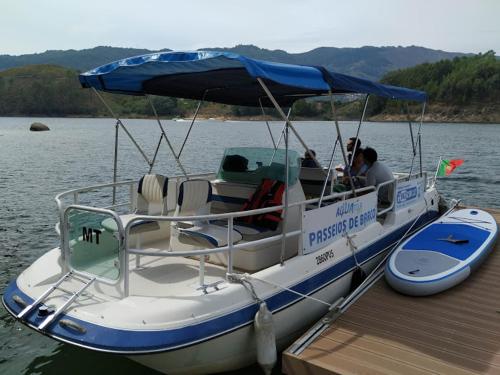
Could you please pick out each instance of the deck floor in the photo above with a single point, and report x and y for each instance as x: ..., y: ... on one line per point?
x: 454, y: 332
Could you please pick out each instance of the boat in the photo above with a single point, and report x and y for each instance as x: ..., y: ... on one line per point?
x: 171, y: 271
x: 442, y: 254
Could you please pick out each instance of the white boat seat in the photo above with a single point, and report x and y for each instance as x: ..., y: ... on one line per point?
x: 194, y: 199
x: 151, y: 200
x: 152, y: 195
x: 141, y: 226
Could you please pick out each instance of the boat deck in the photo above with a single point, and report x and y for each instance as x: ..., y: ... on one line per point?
x: 454, y: 332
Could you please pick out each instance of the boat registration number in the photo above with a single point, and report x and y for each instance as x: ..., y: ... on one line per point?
x: 324, y: 257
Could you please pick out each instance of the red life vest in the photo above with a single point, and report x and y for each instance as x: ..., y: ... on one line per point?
x: 268, y: 194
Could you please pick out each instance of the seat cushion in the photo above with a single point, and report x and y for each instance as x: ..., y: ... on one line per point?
x: 140, y: 226
x: 216, y: 235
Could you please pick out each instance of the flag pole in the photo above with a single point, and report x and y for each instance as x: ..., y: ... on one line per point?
x: 437, y: 170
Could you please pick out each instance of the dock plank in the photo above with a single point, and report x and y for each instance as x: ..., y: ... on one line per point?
x: 455, y: 332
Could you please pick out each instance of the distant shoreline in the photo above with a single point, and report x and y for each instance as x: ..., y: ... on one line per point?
x: 386, y: 118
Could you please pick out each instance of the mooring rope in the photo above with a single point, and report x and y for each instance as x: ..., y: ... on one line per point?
x: 245, y: 277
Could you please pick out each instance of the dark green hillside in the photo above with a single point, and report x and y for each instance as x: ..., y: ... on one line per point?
x: 48, y: 90
x: 43, y: 90
x: 463, y: 80
x: 467, y: 87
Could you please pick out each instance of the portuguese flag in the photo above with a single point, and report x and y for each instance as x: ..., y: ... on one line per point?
x: 447, y: 166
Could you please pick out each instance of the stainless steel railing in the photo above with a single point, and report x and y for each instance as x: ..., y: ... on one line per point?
x: 124, y: 231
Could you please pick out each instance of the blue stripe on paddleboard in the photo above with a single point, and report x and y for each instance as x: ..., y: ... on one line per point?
x: 139, y: 342
x: 434, y: 238
x: 472, y: 264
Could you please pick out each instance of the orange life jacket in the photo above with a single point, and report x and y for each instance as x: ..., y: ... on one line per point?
x: 268, y: 194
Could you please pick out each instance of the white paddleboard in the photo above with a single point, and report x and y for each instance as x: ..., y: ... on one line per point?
x: 442, y: 254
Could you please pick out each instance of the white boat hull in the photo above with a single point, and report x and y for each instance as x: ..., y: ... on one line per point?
x: 324, y: 274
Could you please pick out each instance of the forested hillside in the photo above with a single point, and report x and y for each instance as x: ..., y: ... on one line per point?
x: 462, y: 89
x: 465, y: 87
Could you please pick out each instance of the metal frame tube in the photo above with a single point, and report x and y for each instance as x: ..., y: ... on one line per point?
x: 192, y: 123
x: 123, y: 126
x: 156, y: 154
x: 418, y: 142
x: 288, y: 123
x: 420, y: 136
x: 359, y: 126
x: 329, y: 171
x: 166, y: 138
x: 285, y: 212
x: 267, y: 123
x: 230, y: 244
x: 339, y: 135
x: 284, y: 125
x: 115, y: 162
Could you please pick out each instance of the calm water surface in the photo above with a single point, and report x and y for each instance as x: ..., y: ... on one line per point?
x: 78, y: 152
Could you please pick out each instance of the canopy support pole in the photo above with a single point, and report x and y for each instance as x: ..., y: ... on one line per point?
x: 115, y: 162
x: 329, y: 171
x: 166, y: 138
x: 420, y: 137
x: 284, y: 126
x: 418, y: 141
x: 281, y: 134
x: 413, y: 142
x: 287, y: 127
x: 192, y: 123
x: 156, y: 154
x: 339, y: 135
x: 359, y: 128
x: 285, y: 214
x: 122, y: 126
x: 267, y: 123
x: 288, y: 123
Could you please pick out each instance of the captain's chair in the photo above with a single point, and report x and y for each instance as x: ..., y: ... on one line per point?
x: 194, y: 199
x: 152, y: 195
x: 151, y: 200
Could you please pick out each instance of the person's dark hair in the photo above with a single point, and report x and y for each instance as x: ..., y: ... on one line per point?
x: 370, y: 155
x: 353, y: 139
x: 306, y: 154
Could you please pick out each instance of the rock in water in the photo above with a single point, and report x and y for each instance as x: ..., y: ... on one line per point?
x: 38, y: 127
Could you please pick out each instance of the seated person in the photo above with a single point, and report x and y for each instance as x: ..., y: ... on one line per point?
x: 357, y: 170
x: 351, y: 143
x: 308, y: 160
x: 377, y: 173
x: 235, y: 163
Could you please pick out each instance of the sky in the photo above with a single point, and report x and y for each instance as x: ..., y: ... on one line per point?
x: 32, y: 26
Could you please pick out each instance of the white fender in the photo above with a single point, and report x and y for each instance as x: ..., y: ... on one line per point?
x: 265, y: 338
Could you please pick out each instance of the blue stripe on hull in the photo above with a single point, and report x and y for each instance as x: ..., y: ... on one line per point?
x: 140, y: 342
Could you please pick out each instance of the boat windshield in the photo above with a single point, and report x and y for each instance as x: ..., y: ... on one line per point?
x: 250, y: 165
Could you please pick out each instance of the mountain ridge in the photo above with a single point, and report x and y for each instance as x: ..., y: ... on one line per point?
x: 367, y: 61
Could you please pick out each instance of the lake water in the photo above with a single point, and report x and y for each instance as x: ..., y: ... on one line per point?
x: 35, y: 166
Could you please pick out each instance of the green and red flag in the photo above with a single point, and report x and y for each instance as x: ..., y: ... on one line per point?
x: 447, y: 166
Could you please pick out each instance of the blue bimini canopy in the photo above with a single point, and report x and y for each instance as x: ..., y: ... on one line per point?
x: 229, y: 78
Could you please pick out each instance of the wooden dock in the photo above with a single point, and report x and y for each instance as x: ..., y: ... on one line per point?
x: 455, y: 332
